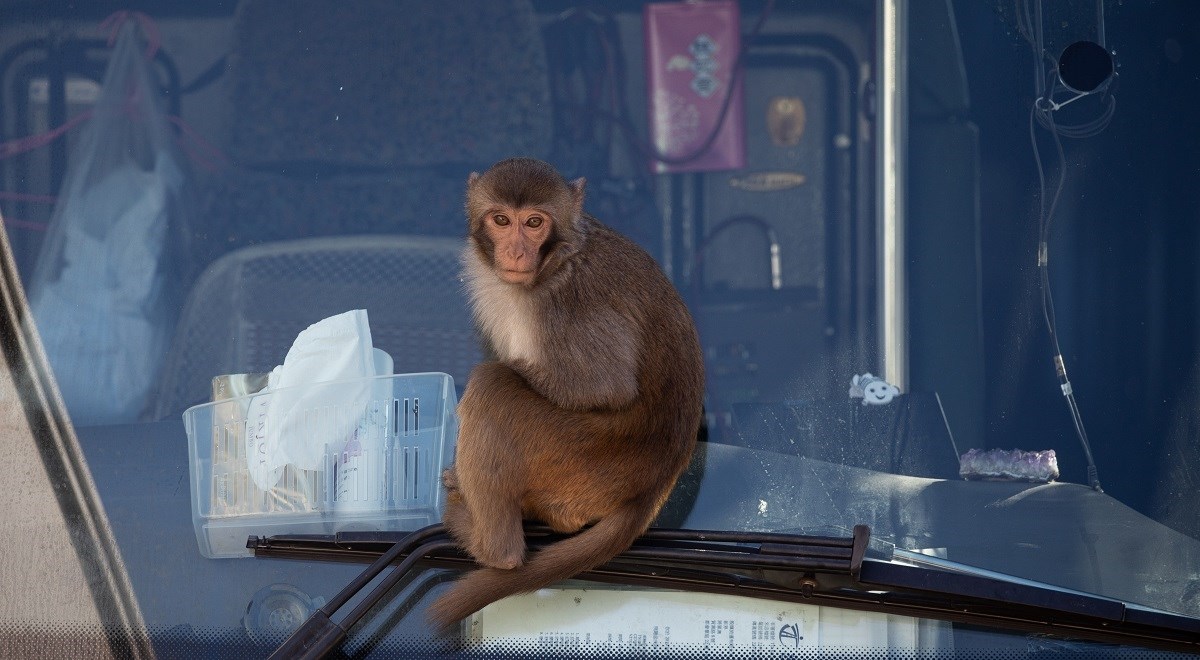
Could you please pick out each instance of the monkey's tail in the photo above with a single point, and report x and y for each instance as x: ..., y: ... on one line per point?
x: 558, y: 561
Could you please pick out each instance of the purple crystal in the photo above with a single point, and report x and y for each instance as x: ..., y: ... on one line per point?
x: 1009, y: 464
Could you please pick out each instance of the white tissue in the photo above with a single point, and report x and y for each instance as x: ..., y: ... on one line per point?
x: 291, y: 424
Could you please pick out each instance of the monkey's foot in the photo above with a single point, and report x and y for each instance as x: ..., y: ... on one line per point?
x: 505, y: 556
x: 505, y: 564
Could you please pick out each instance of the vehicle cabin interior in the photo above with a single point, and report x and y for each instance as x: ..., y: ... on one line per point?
x: 291, y: 160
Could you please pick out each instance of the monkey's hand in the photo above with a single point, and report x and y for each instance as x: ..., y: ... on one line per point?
x: 450, y: 479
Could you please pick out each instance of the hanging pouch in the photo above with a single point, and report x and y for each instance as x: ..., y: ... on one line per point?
x: 695, y: 97
x: 109, y: 277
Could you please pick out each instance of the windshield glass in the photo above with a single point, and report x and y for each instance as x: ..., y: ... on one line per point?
x: 939, y: 255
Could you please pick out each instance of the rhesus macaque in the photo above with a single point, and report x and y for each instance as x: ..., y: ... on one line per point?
x: 591, y: 409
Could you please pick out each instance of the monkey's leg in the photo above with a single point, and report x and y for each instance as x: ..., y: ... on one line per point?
x: 489, y: 545
x: 486, y: 512
x: 497, y: 536
x: 488, y: 468
x: 457, y: 519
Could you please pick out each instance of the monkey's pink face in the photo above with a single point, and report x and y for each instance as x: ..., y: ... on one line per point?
x: 518, y: 235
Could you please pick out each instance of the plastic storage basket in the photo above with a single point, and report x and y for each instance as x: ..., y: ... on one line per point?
x: 374, y: 464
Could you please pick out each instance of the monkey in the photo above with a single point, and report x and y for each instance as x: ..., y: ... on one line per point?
x: 592, y: 406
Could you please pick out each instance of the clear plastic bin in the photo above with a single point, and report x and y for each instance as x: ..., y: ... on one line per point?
x: 379, y: 467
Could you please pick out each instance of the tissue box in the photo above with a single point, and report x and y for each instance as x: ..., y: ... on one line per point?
x: 384, y: 475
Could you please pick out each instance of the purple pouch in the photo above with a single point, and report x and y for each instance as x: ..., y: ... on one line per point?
x: 691, y: 51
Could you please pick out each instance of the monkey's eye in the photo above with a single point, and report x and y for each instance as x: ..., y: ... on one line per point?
x: 501, y: 220
x: 534, y: 222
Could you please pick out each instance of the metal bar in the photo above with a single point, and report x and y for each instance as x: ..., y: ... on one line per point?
x: 319, y: 635
x: 394, y: 578
x: 892, y: 280
x: 411, y: 542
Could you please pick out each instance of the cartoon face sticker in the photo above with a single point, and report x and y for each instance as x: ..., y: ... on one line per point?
x: 879, y: 392
x: 872, y: 390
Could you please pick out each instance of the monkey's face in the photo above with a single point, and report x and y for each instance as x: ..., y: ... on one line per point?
x: 523, y: 217
x: 517, y: 236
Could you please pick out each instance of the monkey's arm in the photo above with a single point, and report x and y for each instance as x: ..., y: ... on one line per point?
x: 593, y: 365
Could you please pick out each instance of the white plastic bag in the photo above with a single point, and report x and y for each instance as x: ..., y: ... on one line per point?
x: 108, y: 282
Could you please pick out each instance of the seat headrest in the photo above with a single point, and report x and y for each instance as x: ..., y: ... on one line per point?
x: 387, y: 83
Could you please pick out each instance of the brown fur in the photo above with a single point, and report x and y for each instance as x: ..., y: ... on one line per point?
x: 591, y: 411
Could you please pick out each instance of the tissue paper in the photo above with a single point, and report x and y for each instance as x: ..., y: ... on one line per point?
x: 292, y: 424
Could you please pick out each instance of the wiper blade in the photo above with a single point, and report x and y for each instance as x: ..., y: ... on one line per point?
x: 847, y: 572
x: 833, y: 553
x: 662, y: 556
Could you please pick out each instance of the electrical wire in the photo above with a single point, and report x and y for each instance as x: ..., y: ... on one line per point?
x: 1082, y: 130
x: 1045, y: 219
x: 1043, y: 109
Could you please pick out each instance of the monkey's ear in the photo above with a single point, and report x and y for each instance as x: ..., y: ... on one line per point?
x: 577, y: 194
x: 472, y: 179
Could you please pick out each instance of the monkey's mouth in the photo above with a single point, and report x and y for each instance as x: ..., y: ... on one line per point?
x: 516, y: 276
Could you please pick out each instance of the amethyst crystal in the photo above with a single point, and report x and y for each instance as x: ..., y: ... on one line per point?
x: 1009, y: 464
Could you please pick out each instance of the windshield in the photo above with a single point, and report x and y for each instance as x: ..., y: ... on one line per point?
x: 939, y: 255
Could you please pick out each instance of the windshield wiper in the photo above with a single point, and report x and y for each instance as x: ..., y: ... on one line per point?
x: 849, y: 572
x: 687, y: 559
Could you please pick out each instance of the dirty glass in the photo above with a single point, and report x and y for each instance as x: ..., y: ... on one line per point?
x: 940, y: 255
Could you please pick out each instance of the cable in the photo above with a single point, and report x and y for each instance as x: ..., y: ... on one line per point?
x: 1029, y: 25
x: 1045, y: 219
x: 1076, y: 131
x: 1043, y: 109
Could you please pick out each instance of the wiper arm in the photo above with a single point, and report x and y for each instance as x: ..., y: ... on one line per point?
x: 838, y: 572
x: 664, y: 557
x: 319, y: 634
